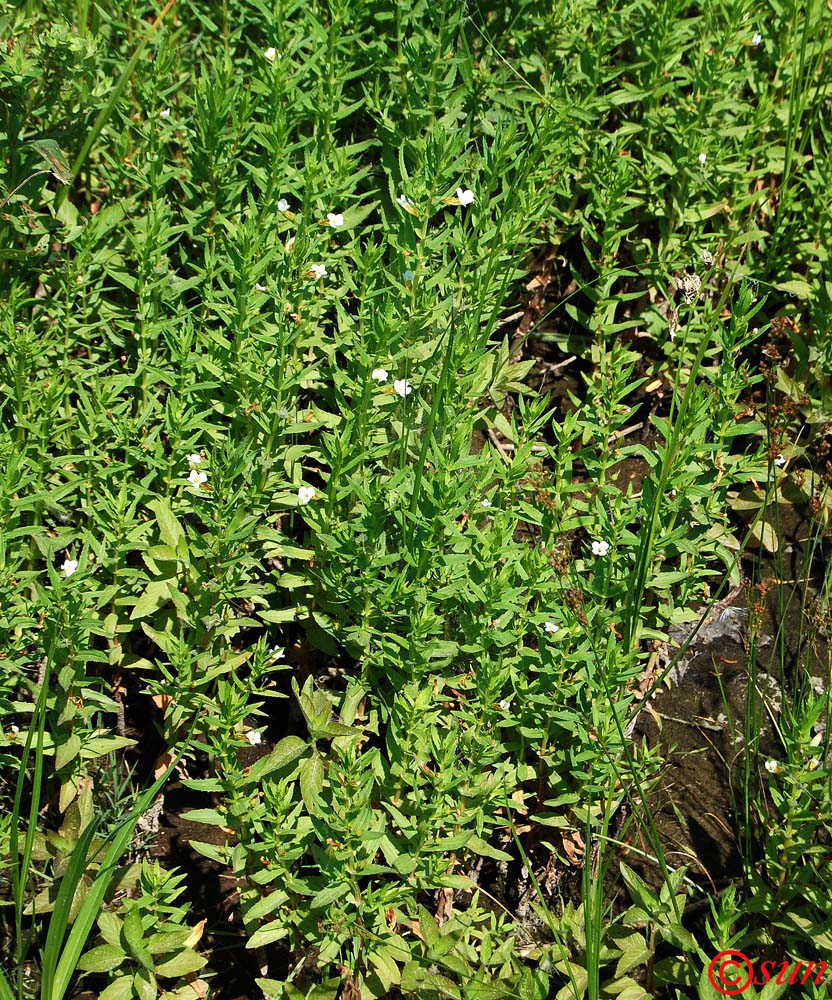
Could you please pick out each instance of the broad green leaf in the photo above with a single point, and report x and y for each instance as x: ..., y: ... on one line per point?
x: 273, y: 931
x: 104, y: 958
x: 67, y: 751
x: 312, y: 782
x: 181, y: 965
x: 119, y: 989
x: 210, y: 817
x: 287, y: 751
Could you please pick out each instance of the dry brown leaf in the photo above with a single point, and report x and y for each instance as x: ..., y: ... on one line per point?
x: 163, y: 762
x: 444, y: 905
x: 573, y: 846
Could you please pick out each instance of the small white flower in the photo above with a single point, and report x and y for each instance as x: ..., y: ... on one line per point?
x: 258, y: 287
x: 813, y: 764
x: 772, y: 767
x: 505, y: 704
x: 283, y: 205
x: 165, y: 113
x: 780, y: 461
x: 253, y: 737
x: 600, y: 548
x: 194, y: 460
x: 335, y: 219
x: 306, y: 494
x: 703, y: 158
x: 407, y: 204
x: 283, y: 413
x: 197, y: 478
x: 271, y: 54
x: 379, y: 374
x: 69, y: 566
x: 756, y: 39
x: 552, y: 627
x: 408, y: 276
x: 14, y: 730
x: 485, y: 503
x: 317, y: 271
x: 276, y: 653
x: 402, y: 387
x: 464, y: 197
x: 290, y: 244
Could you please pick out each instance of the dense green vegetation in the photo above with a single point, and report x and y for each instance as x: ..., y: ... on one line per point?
x: 327, y: 332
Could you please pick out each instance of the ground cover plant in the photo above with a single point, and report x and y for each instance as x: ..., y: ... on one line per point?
x: 389, y: 393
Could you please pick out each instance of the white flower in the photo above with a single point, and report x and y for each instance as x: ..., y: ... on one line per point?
x: 276, y: 653
x: 258, y: 287
x: 813, y: 764
x: 485, y: 503
x: 14, y: 730
x: 253, y: 737
x: 69, y: 566
x: 600, y: 548
x: 194, y: 460
x: 703, y: 158
x: 551, y: 627
x: 290, y: 244
x: 402, y: 387
x: 407, y: 204
x: 165, y: 113
x: 464, y: 197
x: 408, y: 276
x: 283, y: 205
x: 335, y: 219
x: 379, y: 374
x: 271, y: 54
x: 306, y: 494
x: 756, y: 39
x: 283, y: 413
x: 505, y: 704
x: 780, y: 461
x: 197, y: 478
x: 772, y: 767
x: 317, y: 271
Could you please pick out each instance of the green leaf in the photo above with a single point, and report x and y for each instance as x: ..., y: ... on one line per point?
x: 265, y: 905
x: 634, y: 952
x: 210, y: 817
x: 144, y: 983
x: 164, y: 941
x: 329, y: 895
x: 287, y: 751
x: 312, y: 782
x: 170, y: 530
x: 533, y: 985
x: 181, y: 965
x: 639, y: 890
x: 484, y: 849
x: 55, y: 157
x: 156, y: 595
x: 119, y: 989
x: 417, y: 980
x: 67, y: 751
x: 110, y: 927
x: 273, y: 931
x: 385, y: 966
x: 104, y: 958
